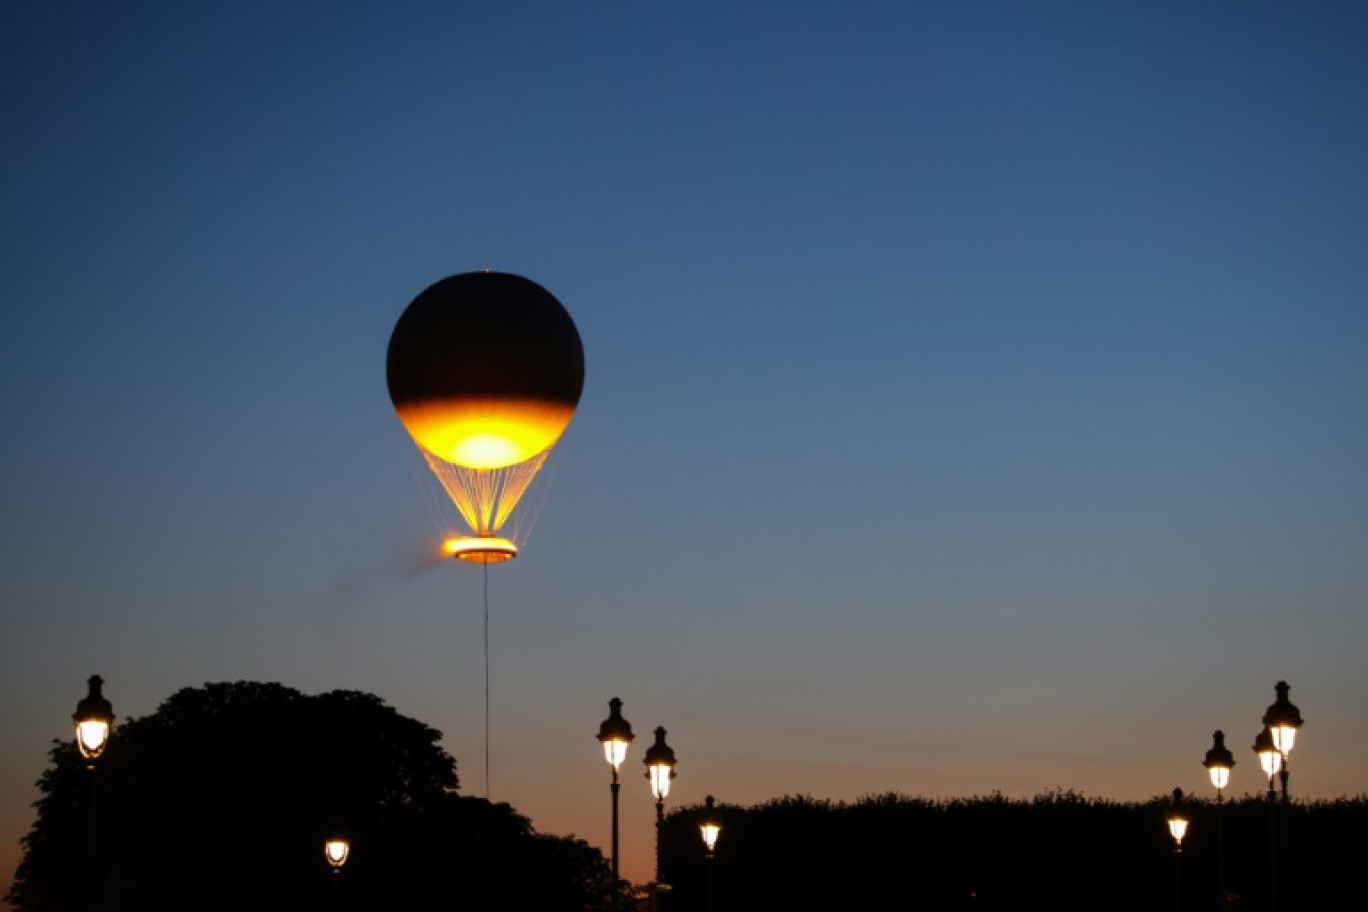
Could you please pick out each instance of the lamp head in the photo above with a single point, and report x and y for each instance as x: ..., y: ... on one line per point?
x: 709, y: 825
x: 615, y: 734
x: 94, y: 717
x: 336, y: 851
x: 1269, y: 757
x: 1177, y: 820
x: 1219, y: 761
x: 1282, y: 720
x: 660, y: 764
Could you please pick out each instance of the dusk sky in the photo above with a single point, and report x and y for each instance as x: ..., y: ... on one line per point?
x: 976, y: 392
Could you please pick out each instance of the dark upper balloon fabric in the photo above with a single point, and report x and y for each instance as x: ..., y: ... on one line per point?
x: 485, y: 369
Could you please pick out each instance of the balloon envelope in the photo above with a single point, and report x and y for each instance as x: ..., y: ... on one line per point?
x: 485, y: 369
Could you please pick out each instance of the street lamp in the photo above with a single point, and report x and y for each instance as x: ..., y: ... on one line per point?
x: 1270, y: 761
x: 615, y: 734
x: 1218, y: 764
x: 1177, y: 824
x: 660, y: 769
x: 711, y: 829
x: 94, y: 717
x: 336, y: 849
x: 1281, y: 721
x: 709, y: 826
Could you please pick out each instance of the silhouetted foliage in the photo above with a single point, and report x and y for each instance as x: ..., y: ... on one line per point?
x: 222, y: 800
x: 1057, y: 851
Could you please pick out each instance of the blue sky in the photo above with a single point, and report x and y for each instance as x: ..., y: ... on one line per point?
x: 975, y: 392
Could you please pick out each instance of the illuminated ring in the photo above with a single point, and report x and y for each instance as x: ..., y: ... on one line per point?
x: 481, y: 549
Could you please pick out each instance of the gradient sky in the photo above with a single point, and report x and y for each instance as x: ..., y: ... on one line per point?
x: 976, y: 392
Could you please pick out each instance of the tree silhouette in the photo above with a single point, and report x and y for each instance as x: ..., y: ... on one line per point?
x: 1057, y: 851
x: 222, y: 800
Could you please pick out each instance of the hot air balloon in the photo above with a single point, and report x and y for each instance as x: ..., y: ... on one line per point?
x: 485, y: 370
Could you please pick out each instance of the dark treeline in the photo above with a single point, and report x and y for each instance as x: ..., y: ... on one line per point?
x: 221, y: 800
x: 1058, y: 851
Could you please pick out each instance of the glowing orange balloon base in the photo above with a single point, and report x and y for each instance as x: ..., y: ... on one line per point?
x: 482, y: 549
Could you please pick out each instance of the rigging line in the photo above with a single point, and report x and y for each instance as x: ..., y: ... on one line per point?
x: 487, y: 682
x: 533, y: 499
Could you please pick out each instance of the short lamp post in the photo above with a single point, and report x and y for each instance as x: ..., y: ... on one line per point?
x: 1177, y: 825
x: 711, y: 828
x: 615, y: 734
x: 660, y: 769
x: 335, y: 850
x: 1218, y: 763
x: 94, y: 718
x: 1282, y: 722
x: 1270, y: 761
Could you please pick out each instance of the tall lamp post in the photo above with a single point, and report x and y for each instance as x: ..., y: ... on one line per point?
x: 1270, y: 761
x: 94, y: 718
x: 1177, y: 824
x: 1281, y: 721
x: 711, y: 829
x: 615, y: 734
x: 1218, y: 764
x: 660, y: 769
x: 336, y: 849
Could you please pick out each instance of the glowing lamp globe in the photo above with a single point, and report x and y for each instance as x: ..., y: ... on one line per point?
x: 660, y: 776
x: 710, y: 834
x: 1178, y: 828
x: 336, y: 851
x: 709, y: 826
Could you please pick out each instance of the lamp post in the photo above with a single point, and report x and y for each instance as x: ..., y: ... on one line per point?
x: 1218, y: 764
x: 94, y: 718
x: 1270, y: 761
x: 1281, y: 721
x: 711, y: 829
x: 336, y: 849
x: 615, y: 734
x: 660, y: 769
x: 1177, y: 824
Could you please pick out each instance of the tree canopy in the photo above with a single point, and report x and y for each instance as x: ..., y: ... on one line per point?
x: 1056, y: 851
x: 223, y: 797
